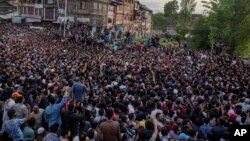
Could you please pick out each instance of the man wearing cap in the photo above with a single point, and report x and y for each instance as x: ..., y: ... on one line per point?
x: 9, y: 104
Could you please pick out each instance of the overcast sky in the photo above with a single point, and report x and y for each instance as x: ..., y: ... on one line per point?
x: 157, y: 5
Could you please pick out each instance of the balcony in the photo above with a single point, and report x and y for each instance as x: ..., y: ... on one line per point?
x: 98, y: 12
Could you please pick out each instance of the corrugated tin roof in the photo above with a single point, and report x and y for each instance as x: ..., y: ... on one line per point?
x: 117, y: 2
x: 144, y: 7
x: 6, y: 7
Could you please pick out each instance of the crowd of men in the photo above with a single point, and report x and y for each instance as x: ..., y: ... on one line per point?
x: 51, y: 91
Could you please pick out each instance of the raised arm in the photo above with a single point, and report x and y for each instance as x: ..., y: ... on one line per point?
x: 28, y: 113
x: 66, y: 92
x: 154, y: 136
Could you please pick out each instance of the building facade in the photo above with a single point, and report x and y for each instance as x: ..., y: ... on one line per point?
x: 6, y: 7
x: 93, y: 11
x: 128, y: 16
x: 38, y: 9
x: 118, y: 15
x: 142, y: 20
x: 124, y: 15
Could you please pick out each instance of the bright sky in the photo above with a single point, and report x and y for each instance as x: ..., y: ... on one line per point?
x: 158, y: 5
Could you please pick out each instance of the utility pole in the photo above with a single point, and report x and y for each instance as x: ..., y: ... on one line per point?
x: 65, y: 16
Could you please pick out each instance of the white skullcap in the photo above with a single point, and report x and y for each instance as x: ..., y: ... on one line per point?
x: 175, y: 91
x: 40, y: 130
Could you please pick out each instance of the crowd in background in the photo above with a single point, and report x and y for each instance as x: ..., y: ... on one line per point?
x: 56, y: 91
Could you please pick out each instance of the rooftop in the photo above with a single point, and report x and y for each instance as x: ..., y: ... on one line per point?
x: 6, y: 7
x: 117, y: 2
x: 144, y: 7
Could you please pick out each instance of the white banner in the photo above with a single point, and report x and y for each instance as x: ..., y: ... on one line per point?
x: 61, y: 11
x: 84, y: 20
x: 28, y: 5
x: 50, y: 1
x: 32, y: 20
x: 38, y: 5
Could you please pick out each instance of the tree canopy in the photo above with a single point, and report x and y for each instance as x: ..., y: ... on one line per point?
x: 171, y: 11
x: 229, y: 20
x: 185, y: 17
x: 159, y: 20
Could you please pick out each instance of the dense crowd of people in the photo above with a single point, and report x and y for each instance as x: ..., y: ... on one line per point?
x: 55, y: 91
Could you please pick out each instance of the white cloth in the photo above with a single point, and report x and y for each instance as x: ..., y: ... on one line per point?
x: 154, y: 112
x: 7, y: 106
x: 131, y: 109
x: 230, y: 111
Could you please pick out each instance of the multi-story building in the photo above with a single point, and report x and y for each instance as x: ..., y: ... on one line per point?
x: 142, y: 20
x: 124, y: 15
x: 95, y: 11
x: 112, y: 13
x: 37, y: 9
x: 6, y: 10
x: 128, y: 14
x: 146, y: 20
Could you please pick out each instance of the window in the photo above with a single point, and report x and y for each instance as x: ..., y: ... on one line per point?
x: 94, y: 21
x: 109, y: 20
x: 95, y: 5
x: 100, y: 6
x: 82, y: 5
x: 50, y: 1
x: 104, y: 7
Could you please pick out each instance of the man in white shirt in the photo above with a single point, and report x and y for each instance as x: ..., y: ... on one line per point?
x: 9, y: 103
x: 157, y: 110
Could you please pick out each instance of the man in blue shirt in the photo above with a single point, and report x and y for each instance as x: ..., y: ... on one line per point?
x: 52, y: 113
x: 79, y: 90
x: 205, y: 129
x: 11, y: 127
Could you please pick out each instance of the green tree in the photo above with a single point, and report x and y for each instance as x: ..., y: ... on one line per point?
x: 171, y: 11
x: 200, y: 38
x: 159, y: 20
x: 229, y: 19
x: 185, y: 17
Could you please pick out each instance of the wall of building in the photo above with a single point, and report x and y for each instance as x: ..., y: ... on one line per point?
x: 128, y: 15
x: 37, y: 9
x: 99, y: 12
x: 111, y: 16
x: 119, y: 14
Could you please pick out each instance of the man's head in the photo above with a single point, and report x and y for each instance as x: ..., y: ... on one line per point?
x: 31, y: 122
x: 77, y: 79
x: 19, y: 99
x: 51, y: 99
x: 54, y: 128
x: 159, y: 116
x: 109, y: 113
x: 15, y: 95
x: 149, y: 125
x: 101, y: 112
x: 11, y: 113
x: 164, y: 132
x: 35, y: 109
x: 71, y: 107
